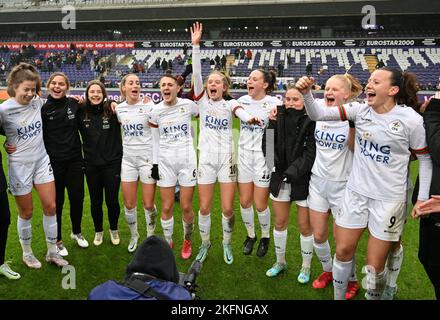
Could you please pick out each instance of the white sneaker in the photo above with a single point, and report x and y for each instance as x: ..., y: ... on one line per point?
x: 98, y: 238
x: 56, y: 259
x: 79, y: 238
x: 61, y: 250
x: 133, y: 244
x: 114, y: 236
x: 8, y: 272
x: 30, y: 261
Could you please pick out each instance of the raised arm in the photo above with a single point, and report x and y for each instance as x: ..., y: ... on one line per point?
x: 196, y: 35
x: 315, y: 109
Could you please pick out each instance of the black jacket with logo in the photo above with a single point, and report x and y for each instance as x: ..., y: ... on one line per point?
x: 429, y: 240
x: 101, y: 135
x: 60, y: 128
x: 295, y: 150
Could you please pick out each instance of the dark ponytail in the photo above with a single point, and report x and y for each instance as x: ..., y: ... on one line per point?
x: 269, y: 77
x: 408, y: 87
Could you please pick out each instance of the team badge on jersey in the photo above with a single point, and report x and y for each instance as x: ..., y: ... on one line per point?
x: 105, y: 124
x: 86, y: 123
x: 367, y: 135
x: 70, y: 114
x: 324, y: 127
x: 182, y: 110
x: 23, y: 123
x: 395, y: 126
x: 265, y: 105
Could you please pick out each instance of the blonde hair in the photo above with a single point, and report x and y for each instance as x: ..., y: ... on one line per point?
x: 123, y: 81
x: 351, y: 83
x: 226, y: 82
x: 21, y: 73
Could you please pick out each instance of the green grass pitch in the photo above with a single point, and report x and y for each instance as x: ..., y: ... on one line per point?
x: 244, y: 279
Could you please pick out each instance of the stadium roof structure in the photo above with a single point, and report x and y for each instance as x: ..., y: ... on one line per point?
x: 50, y: 12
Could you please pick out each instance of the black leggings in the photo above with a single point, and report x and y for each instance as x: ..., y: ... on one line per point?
x: 5, y: 220
x: 434, y: 275
x: 105, y: 178
x: 429, y: 249
x: 69, y: 174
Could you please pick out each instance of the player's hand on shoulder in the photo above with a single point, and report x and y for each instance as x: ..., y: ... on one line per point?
x: 146, y: 99
x: 273, y: 114
x: 78, y: 98
x: 113, y: 106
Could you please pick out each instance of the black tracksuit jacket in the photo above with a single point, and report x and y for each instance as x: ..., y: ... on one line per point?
x: 294, y: 152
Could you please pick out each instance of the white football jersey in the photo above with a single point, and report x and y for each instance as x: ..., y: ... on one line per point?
x: 174, y: 124
x: 136, y: 133
x: 23, y: 128
x: 380, y: 164
x: 333, y: 159
x: 216, y: 125
x: 251, y: 135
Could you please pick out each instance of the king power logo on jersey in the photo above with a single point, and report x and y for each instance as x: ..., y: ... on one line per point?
x: 330, y: 140
x: 175, y: 131
x: 133, y: 129
x: 29, y: 130
x: 252, y: 127
x: 374, y: 151
x: 215, y: 123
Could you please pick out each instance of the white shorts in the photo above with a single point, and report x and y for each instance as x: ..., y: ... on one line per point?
x: 134, y: 167
x: 325, y: 194
x: 252, y: 167
x: 173, y: 169
x: 22, y: 176
x: 213, y: 166
x: 284, y: 195
x: 384, y: 219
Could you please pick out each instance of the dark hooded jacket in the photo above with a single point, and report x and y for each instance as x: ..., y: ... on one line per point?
x: 294, y: 151
x: 101, y: 135
x: 154, y: 264
x: 429, y: 233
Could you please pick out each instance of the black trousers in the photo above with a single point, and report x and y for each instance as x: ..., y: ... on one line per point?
x: 5, y: 220
x: 433, y: 272
x: 104, y: 179
x: 69, y: 175
x: 429, y: 249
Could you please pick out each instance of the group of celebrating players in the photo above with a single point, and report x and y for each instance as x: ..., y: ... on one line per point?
x: 333, y: 156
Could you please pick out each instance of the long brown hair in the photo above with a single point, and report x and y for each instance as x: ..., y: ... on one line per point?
x: 20, y: 73
x: 408, y: 87
x: 269, y: 77
x: 106, y: 104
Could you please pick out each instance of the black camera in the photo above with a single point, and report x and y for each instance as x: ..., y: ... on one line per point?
x: 189, y: 279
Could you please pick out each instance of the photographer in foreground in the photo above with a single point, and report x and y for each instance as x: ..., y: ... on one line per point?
x: 151, y: 275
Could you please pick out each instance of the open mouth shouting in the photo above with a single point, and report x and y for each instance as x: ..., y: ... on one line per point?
x: 330, y: 100
x: 370, y: 95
